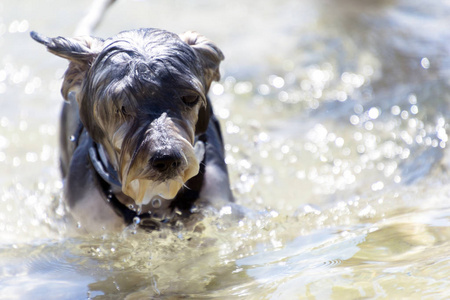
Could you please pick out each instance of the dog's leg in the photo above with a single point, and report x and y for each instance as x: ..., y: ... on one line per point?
x: 83, y: 194
x: 69, y: 133
x: 216, y: 186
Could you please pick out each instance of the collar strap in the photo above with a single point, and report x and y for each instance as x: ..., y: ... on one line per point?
x: 109, y: 183
x: 107, y: 179
x: 102, y: 166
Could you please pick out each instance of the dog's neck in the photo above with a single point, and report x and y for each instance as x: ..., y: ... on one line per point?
x: 163, y: 212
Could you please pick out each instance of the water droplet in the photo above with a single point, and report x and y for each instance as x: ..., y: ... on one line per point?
x: 374, y: 113
x: 276, y: 81
x: 358, y: 108
x: 136, y: 220
x: 368, y: 125
x: 226, y: 210
x: 156, y: 203
x: 425, y: 63
x: 243, y: 87
x: 273, y: 214
x: 139, y: 209
x: 339, y: 142
x: 354, y: 119
x: 264, y: 89
x: 395, y: 110
x: 178, y: 211
x: 412, y: 99
x: 217, y: 89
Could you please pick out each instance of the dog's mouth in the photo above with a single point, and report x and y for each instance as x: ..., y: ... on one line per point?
x: 165, y: 185
x: 146, y: 190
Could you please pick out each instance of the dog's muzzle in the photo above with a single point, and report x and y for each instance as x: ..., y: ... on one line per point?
x: 165, y: 161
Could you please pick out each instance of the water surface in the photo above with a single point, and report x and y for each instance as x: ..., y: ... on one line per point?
x: 335, y: 120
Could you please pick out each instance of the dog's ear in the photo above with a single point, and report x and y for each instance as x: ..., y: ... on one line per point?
x: 210, y: 57
x: 80, y: 51
x: 208, y: 53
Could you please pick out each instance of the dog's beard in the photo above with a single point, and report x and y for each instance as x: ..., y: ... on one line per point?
x: 142, y: 189
x: 147, y: 190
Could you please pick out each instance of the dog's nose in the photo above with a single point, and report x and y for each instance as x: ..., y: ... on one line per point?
x: 164, y: 162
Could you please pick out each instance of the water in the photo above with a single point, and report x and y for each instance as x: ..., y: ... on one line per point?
x: 335, y: 119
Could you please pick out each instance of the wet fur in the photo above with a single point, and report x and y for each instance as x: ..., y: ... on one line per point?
x: 131, y: 93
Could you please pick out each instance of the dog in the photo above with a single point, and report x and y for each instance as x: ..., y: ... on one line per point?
x: 139, y: 141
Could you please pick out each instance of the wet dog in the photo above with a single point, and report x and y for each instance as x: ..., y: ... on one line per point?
x: 139, y: 140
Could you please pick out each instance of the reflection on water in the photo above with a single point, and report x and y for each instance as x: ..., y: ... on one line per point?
x: 335, y: 118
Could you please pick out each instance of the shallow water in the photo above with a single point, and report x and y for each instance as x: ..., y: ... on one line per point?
x: 335, y: 119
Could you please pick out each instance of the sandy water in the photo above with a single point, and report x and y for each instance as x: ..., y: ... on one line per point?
x: 335, y: 120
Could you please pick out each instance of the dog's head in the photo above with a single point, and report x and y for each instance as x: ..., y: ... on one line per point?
x: 142, y: 96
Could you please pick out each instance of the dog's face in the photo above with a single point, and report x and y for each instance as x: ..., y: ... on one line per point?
x: 142, y: 96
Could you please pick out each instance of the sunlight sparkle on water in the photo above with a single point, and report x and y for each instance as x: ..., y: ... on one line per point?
x: 425, y: 63
x: 18, y: 26
x: 335, y: 123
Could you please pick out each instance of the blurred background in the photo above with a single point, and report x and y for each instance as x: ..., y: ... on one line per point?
x: 335, y: 116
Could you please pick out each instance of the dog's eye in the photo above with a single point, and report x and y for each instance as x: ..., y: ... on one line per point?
x: 190, y: 100
x: 121, y: 111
